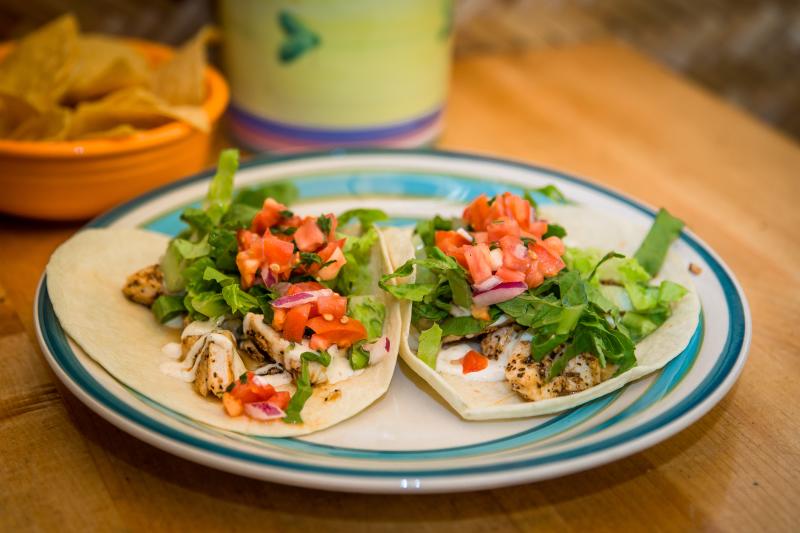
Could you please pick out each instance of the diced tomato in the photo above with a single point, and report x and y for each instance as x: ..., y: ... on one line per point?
x: 334, y: 224
x: 534, y: 277
x: 536, y: 229
x: 480, y: 237
x: 269, y: 215
x: 330, y: 271
x: 303, y: 286
x: 252, y: 392
x: 336, y: 332
x: 520, y: 209
x: 549, y: 264
x: 508, y: 275
x: 500, y: 227
x: 333, y: 305
x: 308, y: 236
x: 278, y: 318
x: 473, y: 362
x: 280, y: 399
x: 477, y: 213
x: 319, y: 342
x: 458, y: 255
x: 296, y: 320
x: 233, y: 406
x: 498, y: 208
x: 515, y: 255
x: 278, y: 254
x: 247, y: 239
x: 554, y: 245
x: 451, y: 243
x: 250, y: 256
x: 446, y: 241
x: 478, y: 262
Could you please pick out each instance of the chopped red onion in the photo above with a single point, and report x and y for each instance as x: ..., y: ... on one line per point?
x: 281, y: 287
x: 489, y: 283
x: 263, y: 411
x: 501, y: 293
x: 287, y: 302
x: 268, y: 277
x: 378, y: 350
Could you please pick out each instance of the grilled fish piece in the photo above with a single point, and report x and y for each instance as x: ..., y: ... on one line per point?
x: 528, y: 378
x: 219, y: 363
x: 496, y: 340
x: 145, y: 285
x: 248, y: 347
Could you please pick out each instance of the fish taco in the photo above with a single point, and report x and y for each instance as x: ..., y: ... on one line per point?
x: 253, y: 319
x: 509, y: 314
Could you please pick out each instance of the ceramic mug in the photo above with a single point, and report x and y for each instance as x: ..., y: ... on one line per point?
x: 316, y: 74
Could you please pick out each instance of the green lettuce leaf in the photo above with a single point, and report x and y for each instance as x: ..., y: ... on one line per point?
x: 370, y: 312
x: 653, y: 250
x: 367, y: 217
x: 430, y: 341
x: 220, y: 192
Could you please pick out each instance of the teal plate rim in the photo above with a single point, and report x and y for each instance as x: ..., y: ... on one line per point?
x: 54, y: 340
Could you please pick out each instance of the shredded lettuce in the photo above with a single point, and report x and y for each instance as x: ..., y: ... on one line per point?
x: 356, y: 276
x: 548, y: 191
x: 367, y: 217
x: 359, y: 356
x: 462, y: 325
x: 451, y: 284
x: 370, y: 312
x: 220, y: 192
x: 430, y: 341
x: 303, y: 383
x: 653, y: 250
x: 166, y: 307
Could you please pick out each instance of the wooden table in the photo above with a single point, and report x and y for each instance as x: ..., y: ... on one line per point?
x: 601, y: 111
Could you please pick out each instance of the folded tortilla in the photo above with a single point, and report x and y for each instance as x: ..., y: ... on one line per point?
x: 585, y: 228
x: 85, y: 278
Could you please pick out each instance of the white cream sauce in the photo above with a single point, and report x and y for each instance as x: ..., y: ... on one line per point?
x: 172, y: 350
x: 339, y: 368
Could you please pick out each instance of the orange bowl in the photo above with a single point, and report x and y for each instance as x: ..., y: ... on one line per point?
x: 70, y: 180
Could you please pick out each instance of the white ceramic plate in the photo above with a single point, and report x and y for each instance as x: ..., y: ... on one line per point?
x: 410, y: 440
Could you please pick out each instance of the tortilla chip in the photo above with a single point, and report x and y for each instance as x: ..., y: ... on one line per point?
x: 103, y: 65
x: 13, y: 112
x: 136, y: 107
x: 50, y: 125
x: 181, y: 80
x: 37, y: 70
x: 123, y: 130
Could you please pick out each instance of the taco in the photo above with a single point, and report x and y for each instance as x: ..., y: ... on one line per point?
x: 507, y: 314
x: 253, y: 319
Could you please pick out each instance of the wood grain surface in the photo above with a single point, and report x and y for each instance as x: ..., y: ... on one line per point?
x: 601, y: 111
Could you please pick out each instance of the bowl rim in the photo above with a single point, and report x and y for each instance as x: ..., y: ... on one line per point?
x: 214, y: 104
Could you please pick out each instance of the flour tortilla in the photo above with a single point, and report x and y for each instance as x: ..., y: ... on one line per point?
x: 84, y: 279
x: 585, y: 228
